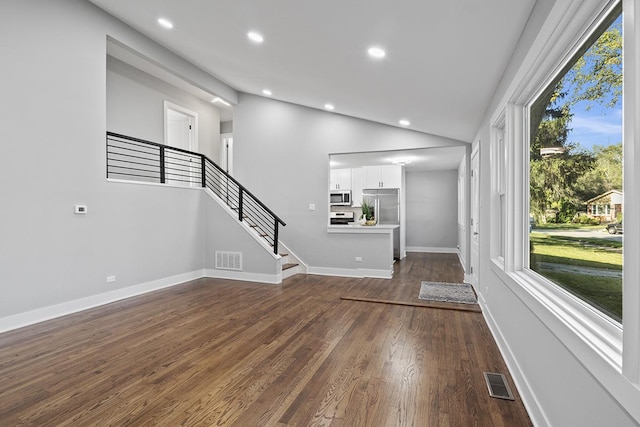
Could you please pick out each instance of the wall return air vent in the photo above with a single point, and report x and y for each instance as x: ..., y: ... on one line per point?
x: 228, y: 260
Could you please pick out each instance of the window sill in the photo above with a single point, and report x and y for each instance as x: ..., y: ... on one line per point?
x: 584, y: 325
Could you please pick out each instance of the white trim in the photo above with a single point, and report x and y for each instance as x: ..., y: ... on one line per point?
x: 433, y: 249
x: 290, y: 272
x: 272, y: 279
x: 599, y: 333
x: 302, y: 266
x: 631, y: 262
x: 51, y: 312
x: 351, y: 272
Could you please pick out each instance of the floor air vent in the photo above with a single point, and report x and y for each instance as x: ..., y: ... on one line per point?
x: 228, y: 260
x: 498, y: 386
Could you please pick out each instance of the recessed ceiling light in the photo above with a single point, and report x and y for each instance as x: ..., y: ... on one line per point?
x: 253, y: 36
x: 266, y: 92
x: 221, y: 101
x: 376, y: 52
x: 165, y: 23
x: 402, y: 162
x: 329, y: 106
x: 404, y: 122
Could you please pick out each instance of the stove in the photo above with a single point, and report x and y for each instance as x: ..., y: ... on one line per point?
x: 340, y: 218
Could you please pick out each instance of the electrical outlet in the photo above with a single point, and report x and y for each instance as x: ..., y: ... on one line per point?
x: 312, y: 206
x: 111, y: 279
x: 358, y: 259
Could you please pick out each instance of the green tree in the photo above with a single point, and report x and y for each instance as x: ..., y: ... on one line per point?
x: 562, y: 179
x: 597, y: 75
x: 606, y: 174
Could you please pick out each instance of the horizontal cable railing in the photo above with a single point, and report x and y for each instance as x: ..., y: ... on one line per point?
x: 139, y: 160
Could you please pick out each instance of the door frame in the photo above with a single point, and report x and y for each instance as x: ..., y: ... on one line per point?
x: 474, y: 214
x: 226, y: 152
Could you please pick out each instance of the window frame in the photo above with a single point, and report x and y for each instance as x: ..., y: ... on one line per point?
x: 596, y: 340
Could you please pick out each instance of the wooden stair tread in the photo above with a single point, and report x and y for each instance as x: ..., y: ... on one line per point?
x: 289, y: 265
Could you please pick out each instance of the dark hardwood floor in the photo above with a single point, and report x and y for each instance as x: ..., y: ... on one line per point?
x: 221, y: 352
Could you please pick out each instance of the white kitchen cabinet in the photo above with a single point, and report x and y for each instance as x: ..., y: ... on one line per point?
x: 388, y: 176
x: 340, y: 179
x: 357, y: 185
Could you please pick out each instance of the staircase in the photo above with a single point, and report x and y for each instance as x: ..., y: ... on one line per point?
x: 290, y: 265
x: 136, y: 159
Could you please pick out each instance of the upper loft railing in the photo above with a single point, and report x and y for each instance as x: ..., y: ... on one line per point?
x: 139, y: 160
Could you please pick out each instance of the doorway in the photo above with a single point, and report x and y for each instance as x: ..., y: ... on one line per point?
x: 181, y: 131
x: 226, y: 153
x: 475, y: 215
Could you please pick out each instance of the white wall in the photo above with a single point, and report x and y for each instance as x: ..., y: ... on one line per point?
x: 558, y: 386
x: 432, y: 210
x: 135, y: 107
x: 224, y: 233
x: 53, y: 137
x: 281, y: 154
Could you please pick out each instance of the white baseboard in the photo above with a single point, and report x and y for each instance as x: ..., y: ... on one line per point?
x: 529, y: 399
x: 272, y: 279
x: 436, y: 250
x: 461, y: 259
x: 351, y: 272
x: 51, y: 312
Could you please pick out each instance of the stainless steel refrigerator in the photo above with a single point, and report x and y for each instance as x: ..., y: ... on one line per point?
x: 386, y: 210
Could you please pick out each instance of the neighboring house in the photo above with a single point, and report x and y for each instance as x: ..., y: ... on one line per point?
x: 606, y: 206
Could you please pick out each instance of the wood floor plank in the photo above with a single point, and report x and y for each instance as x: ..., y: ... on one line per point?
x: 222, y: 352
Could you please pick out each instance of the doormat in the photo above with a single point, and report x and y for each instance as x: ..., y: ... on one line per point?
x: 448, y: 292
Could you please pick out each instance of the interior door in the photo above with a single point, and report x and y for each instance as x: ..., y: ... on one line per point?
x: 475, y: 215
x: 179, y: 129
x: 181, y: 132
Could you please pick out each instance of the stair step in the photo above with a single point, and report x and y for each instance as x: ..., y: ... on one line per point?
x: 289, y: 265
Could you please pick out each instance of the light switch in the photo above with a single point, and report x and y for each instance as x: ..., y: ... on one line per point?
x: 312, y: 206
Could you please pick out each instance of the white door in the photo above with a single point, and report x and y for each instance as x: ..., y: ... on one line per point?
x: 226, y: 158
x: 181, y: 132
x: 475, y: 215
x: 179, y: 127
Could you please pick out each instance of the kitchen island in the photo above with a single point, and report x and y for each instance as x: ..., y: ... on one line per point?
x: 358, y: 229
x: 354, y: 229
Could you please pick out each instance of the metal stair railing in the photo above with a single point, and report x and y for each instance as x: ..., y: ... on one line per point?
x: 136, y: 159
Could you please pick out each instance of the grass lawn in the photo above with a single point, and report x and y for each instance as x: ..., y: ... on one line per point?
x: 594, y: 253
x: 605, y: 293
x: 569, y: 226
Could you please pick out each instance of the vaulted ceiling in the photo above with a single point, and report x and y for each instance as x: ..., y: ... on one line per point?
x: 443, y: 60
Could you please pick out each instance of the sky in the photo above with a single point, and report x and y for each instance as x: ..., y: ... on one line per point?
x: 599, y: 126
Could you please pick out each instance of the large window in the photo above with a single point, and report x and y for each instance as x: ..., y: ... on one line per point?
x: 575, y: 157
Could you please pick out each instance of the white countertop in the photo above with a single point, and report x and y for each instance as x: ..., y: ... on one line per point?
x: 357, y: 228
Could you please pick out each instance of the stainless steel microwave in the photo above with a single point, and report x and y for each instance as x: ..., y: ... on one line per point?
x: 340, y: 198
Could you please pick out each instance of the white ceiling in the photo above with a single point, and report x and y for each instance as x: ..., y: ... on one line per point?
x: 423, y: 159
x: 444, y: 58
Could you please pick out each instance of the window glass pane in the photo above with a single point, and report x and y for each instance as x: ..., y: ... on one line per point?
x: 576, y: 195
